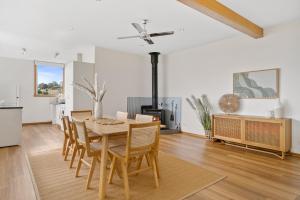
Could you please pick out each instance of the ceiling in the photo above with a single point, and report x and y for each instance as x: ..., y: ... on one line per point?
x: 60, y: 25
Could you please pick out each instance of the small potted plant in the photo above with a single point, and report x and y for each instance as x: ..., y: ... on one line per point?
x: 203, y: 110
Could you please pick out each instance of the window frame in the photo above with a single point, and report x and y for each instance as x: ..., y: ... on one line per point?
x: 36, y: 78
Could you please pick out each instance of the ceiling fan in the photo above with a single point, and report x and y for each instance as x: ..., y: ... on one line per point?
x: 144, y: 35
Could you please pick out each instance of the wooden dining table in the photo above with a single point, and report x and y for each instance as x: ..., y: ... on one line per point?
x: 106, y: 131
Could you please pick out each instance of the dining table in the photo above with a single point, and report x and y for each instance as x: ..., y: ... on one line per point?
x: 105, y: 131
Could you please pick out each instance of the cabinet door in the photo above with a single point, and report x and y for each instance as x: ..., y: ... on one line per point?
x: 227, y: 129
x: 263, y: 134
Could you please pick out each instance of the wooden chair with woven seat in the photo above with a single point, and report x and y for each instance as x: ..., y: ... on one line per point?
x: 122, y: 115
x: 69, y: 139
x: 70, y: 144
x: 85, y: 114
x: 143, y: 118
x: 91, y: 149
x: 142, y: 139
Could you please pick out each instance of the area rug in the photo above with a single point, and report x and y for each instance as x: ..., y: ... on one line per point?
x: 179, y: 179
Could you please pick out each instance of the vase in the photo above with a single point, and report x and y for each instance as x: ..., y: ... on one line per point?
x: 98, y: 110
x: 278, y: 112
x: 208, y: 133
x: 278, y: 109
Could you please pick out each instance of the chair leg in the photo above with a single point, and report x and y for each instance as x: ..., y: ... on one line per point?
x: 148, y: 159
x: 91, y: 172
x: 64, y: 146
x: 79, y: 162
x: 112, y: 170
x: 153, y: 165
x: 139, y: 163
x: 67, y: 150
x: 118, y: 170
x: 75, y: 150
x: 125, y: 179
x: 156, y: 164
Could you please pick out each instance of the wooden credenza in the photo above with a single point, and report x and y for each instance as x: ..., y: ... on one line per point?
x: 252, y: 131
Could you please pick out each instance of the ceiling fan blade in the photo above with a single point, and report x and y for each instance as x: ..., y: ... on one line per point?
x: 138, y: 27
x: 128, y: 37
x: 161, y: 34
x: 149, y: 41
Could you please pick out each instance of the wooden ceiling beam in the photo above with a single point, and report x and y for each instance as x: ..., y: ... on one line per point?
x: 218, y: 11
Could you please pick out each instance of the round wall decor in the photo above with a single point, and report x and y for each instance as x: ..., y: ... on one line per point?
x: 229, y: 103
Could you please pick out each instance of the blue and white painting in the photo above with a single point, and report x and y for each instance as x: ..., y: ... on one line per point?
x: 256, y: 84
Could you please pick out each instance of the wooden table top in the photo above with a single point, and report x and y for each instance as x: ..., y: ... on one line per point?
x: 102, y: 130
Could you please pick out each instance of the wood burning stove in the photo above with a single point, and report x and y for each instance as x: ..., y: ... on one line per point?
x: 158, y: 114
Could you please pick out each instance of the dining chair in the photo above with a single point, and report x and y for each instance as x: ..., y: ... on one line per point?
x: 68, y: 139
x: 122, y: 115
x: 85, y: 114
x: 91, y: 149
x: 142, y: 140
x: 143, y: 118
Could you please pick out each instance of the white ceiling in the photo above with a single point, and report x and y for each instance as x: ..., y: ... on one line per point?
x: 59, y: 25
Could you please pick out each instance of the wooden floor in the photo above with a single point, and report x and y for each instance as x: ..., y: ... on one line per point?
x: 249, y: 175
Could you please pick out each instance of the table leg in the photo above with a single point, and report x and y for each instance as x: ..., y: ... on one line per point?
x: 103, y: 171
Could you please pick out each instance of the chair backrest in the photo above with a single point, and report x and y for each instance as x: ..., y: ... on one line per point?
x: 122, y: 115
x: 67, y: 127
x: 143, y: 118
x: 81, y: 113
x: 142, y: 137
x: 81, y: 134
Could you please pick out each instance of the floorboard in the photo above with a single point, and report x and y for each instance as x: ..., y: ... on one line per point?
x: 250, y: 175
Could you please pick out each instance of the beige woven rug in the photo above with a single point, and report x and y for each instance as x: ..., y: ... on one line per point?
x: 179, y: 179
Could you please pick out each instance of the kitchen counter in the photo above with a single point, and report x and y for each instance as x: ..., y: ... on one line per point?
x: 10, y: 125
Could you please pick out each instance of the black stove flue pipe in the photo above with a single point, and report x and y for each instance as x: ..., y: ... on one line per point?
x: 154, y: 62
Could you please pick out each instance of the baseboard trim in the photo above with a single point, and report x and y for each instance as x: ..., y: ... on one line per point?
x: 36, y: 123
x: 194, y: 135
x: 296, y: 155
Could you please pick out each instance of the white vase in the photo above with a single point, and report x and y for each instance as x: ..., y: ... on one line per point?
x: 278, y: 109
x: 278, y: 112
x: 98, y: 110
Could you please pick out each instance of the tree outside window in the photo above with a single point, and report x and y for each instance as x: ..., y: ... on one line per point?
x: 49, y: 79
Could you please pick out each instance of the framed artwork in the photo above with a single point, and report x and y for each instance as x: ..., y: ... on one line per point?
x: 262, y: 84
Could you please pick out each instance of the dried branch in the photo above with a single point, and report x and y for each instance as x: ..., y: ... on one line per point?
x: 85, y: 89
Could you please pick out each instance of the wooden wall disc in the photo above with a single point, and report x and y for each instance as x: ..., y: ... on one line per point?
x: 229, y: 103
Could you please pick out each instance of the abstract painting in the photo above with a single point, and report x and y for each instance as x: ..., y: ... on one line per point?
x: 263, y: 84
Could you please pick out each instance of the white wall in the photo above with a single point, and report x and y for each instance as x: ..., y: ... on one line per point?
x: 77, y: 99
x: 125, y: 75
x: 208, y: 70
x: 21, y: 72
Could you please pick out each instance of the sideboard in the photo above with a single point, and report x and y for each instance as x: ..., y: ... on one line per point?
x: 252, y: 132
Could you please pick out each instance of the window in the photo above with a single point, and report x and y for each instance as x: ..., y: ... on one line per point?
x: 49, y: 79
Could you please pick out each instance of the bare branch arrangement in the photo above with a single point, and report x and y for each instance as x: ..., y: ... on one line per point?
x: 95, y: 92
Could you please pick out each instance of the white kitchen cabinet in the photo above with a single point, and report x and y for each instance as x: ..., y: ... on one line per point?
x: 10, y: 126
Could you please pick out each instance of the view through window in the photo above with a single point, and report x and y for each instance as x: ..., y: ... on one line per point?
x: 49, y: 79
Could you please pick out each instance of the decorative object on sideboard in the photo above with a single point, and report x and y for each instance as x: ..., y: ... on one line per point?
x: 95, y: 93
x: 271, y: 114
x: 262, y: 84
x: 203, y: 110
x: 229, y: 103
x: 278, y: 109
